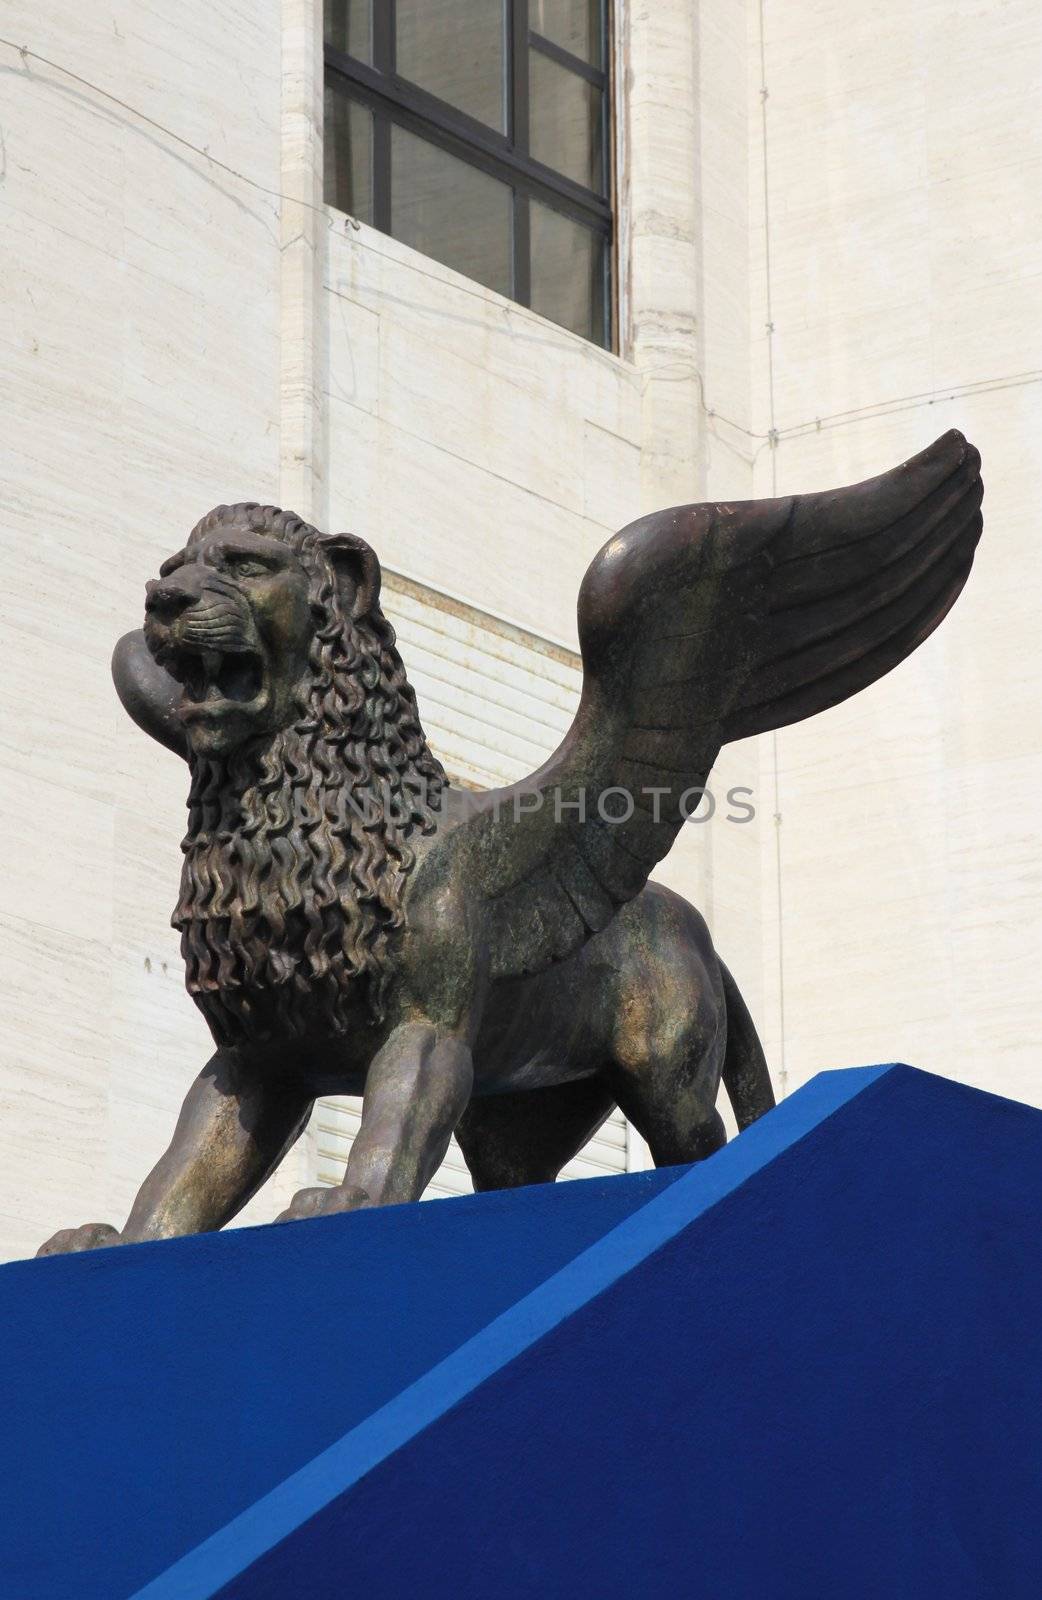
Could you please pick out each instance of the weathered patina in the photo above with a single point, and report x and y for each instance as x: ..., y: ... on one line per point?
x: 495, y: 965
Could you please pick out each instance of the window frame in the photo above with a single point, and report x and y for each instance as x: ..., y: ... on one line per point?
x: 395, y: 100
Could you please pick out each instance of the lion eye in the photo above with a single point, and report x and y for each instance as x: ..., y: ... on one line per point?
x: 244, y: 567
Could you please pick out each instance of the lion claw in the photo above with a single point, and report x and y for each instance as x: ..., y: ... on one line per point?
x: 69, y: 1241
x: 322, y: 1202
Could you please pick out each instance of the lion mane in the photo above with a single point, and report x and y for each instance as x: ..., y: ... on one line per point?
x: 297, y: 850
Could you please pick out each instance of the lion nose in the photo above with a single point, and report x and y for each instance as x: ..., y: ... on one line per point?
x: 167, y: 598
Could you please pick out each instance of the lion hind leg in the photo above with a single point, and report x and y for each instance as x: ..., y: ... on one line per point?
x: 674, y: 1136
x: 668, y: 1049
x: 527, y: 1137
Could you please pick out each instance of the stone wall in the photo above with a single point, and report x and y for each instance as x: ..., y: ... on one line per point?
x: 140, y: 335
x: 900, y: 270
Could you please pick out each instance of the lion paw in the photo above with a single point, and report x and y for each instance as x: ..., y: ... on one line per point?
x: 323, y: 1203
x: 91, y: 1236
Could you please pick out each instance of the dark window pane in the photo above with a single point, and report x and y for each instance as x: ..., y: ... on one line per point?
x: 451, y: 211
x: 456, y: 49
x: 575, y: 25
x: 348, y: 27
x: 564, y: 122
x: 567, y: 272
x: 348, y: 141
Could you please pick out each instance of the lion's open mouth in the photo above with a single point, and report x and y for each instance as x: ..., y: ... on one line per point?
x: 212, y: 677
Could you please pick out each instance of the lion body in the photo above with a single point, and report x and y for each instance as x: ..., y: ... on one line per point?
x: 334, y: 933
x: 649, y: 978
x: 511, y: 978
x: 309, y: 926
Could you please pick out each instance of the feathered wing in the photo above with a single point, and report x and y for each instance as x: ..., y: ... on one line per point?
x: 700, y: 625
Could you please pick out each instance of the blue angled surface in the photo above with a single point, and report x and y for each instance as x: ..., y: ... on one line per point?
x: 811, y: 1367
x: 151, y: 1393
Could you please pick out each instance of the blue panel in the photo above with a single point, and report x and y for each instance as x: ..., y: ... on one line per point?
x: 153, y: 1392
x: 811, y: 1367
x: 829, y: 1384
x: 294, y: 1503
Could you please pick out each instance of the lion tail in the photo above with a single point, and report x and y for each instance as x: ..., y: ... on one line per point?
x: 745, y: 1074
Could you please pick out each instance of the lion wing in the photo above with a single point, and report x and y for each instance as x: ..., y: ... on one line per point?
x: 700, y: 625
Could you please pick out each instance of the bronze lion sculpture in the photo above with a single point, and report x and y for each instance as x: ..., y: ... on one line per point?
x: 495, y: 965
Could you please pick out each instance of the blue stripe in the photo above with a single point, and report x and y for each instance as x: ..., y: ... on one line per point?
x: 204, y: 1571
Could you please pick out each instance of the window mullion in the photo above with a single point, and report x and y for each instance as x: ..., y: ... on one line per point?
x: 383, y: 36
x: 383, y: 61
x: 519, y: 75
x: 518, y: 66
x: 522, y: 250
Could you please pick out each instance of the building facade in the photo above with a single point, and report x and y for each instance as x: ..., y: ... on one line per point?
x: 694, y: 249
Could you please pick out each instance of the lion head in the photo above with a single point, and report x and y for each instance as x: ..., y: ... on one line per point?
x: 310, y: 771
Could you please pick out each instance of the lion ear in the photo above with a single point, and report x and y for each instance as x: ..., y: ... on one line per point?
x: 357, y: 572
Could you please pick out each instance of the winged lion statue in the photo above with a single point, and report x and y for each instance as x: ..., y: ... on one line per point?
x: 494, y: 965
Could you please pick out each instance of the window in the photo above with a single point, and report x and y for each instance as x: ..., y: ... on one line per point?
x: 477, y: 131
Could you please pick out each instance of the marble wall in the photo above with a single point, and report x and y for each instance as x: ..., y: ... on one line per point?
x: 140, y: 356
x: 898, y: 259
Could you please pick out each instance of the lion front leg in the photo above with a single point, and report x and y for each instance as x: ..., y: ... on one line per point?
x: 417, y: 1088
x: 233, y: 1131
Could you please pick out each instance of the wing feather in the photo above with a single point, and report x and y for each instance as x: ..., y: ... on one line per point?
x: 699, y: 625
